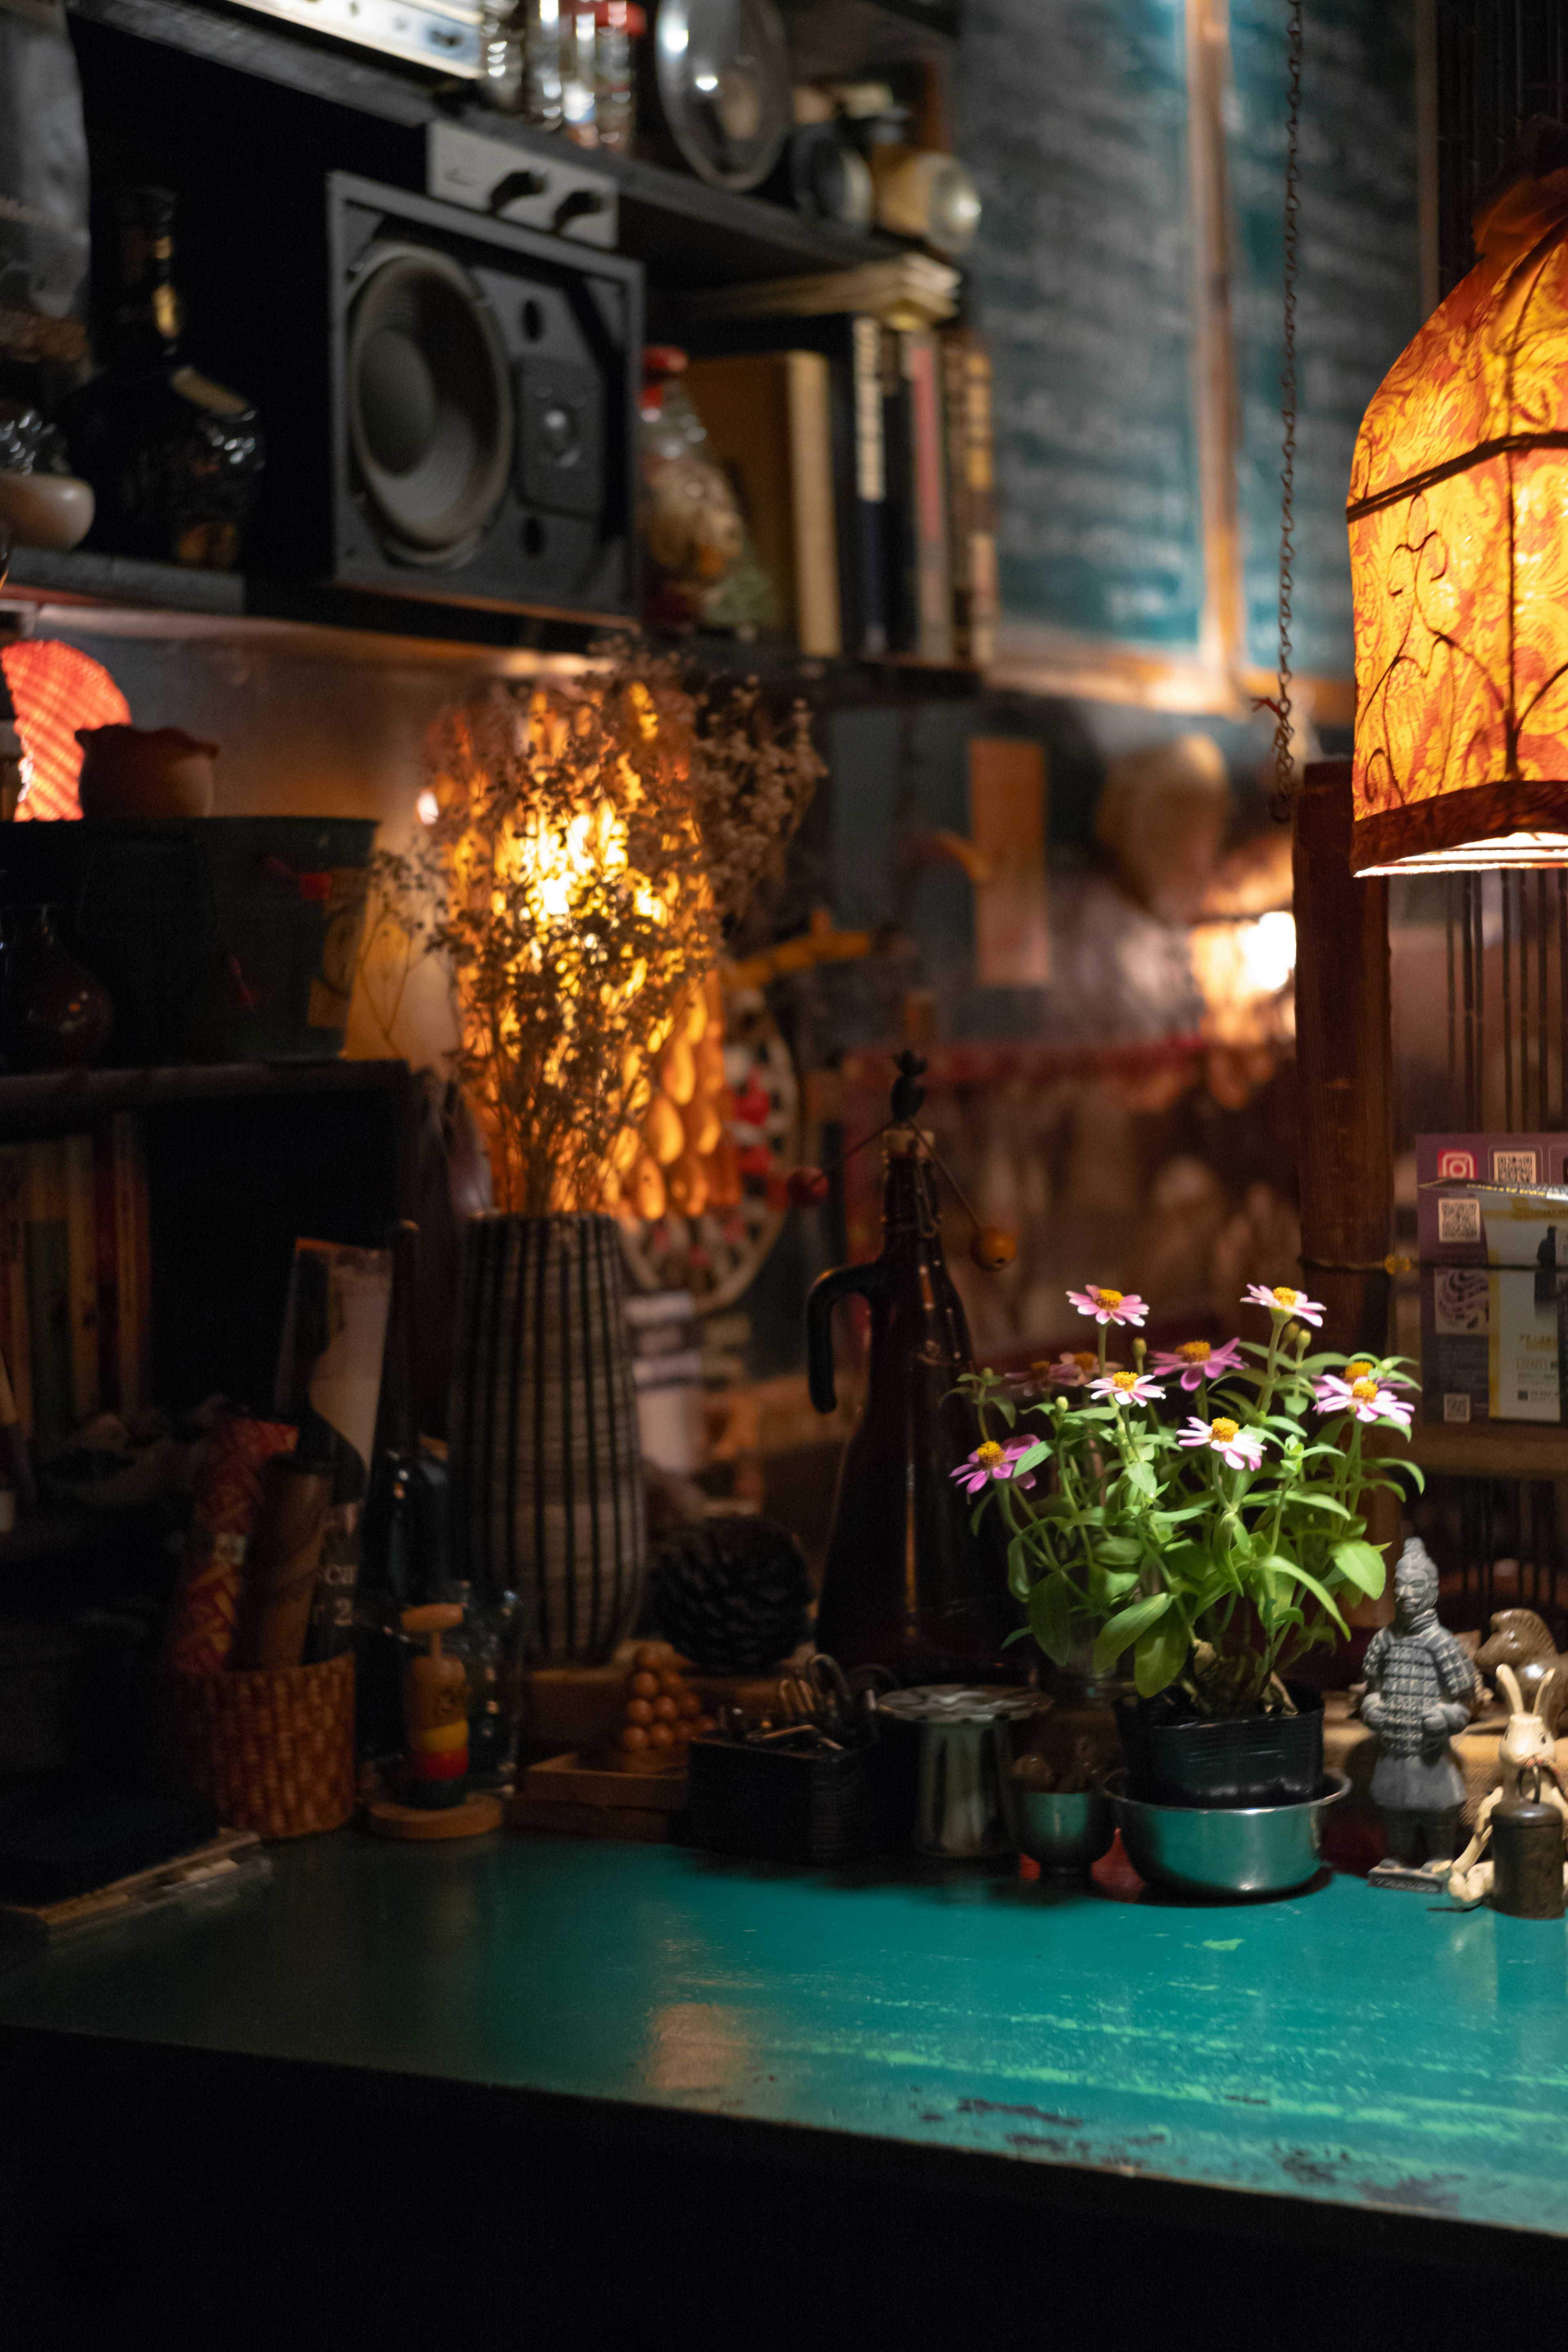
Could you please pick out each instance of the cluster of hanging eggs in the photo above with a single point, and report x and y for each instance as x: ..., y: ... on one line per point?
x: 683, y: 1157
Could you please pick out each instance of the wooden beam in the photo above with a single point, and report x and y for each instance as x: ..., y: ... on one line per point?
x: 1344, y: 1056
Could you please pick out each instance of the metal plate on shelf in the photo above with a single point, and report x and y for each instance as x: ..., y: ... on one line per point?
x: 554, y: 193
x: 444, y: 37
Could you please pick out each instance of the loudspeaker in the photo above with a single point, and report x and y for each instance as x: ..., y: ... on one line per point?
x: 449, y: 402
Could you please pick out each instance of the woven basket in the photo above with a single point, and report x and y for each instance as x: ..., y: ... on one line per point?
x: 271, y: 1751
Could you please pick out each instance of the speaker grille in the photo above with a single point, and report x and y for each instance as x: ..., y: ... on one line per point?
x: 429, y: 403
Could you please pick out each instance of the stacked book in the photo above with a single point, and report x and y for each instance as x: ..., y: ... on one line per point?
x: 75, y: 1277
x: 860, y: 457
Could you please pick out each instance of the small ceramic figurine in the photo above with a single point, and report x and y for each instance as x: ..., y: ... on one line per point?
x: 1520, y: 1639
x: 1527, y: 1747
x: 1419, y: 1684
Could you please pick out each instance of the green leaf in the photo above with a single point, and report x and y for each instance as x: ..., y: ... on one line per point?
x: 1142, y: 1478
x: 1125, y: 1627
x: 1030, y: 1456
x: 1116, y: 1551
x: 1322, y: 1592
x: 1116, y: 1583
x: 1051, y: 1616
x: 1361, y: 1566
x: 1004, y: 1405
x: 1160, y: 1655
x: 1019, y: 1578
x: 1317, y: 1502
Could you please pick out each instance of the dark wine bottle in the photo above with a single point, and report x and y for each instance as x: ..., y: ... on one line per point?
x: 174, y: 460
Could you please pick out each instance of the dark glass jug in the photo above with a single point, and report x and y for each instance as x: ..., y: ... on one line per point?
x: 908, y: 1584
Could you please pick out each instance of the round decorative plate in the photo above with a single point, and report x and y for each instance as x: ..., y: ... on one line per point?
x: 721, y: 72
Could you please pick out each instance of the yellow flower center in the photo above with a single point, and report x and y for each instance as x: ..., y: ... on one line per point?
x: 1224, y: 1430
x: 1123, y: 1381
x: 1197, y: 1351
x: 1106, y: 1298
x: 989, y: 1455
x: 1359, y: 1369
x: 1364, y: 1390
x: 1086, y: 1358
x: 1285, y: 1296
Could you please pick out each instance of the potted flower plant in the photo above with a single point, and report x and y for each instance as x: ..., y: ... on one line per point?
x: 1207, y: 1548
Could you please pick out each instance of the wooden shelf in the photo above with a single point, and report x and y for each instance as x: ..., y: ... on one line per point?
x: 686, y: 232
x: 1488, y: 1449
x: 45, y: 1098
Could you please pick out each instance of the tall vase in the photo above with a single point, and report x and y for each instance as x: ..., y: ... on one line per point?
x: 546, y: 1468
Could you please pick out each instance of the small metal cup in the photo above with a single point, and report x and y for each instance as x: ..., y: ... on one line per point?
x: 1064, y: 1834
x: 964, y: 1806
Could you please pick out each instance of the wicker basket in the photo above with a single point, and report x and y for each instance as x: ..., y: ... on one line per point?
x: 271, y: 1751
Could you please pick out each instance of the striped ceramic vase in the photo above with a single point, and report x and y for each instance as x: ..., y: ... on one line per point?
x: 546, y: 1469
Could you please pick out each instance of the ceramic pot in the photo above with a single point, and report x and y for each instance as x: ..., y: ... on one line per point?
x: 1253, y: 1760
x: 55, y: 1014
x: 546, y: 1472
x: 45, y: 511
x: 135, y: 771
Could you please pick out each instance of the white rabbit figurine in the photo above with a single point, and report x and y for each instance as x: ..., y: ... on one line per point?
x: 1527, y: 1742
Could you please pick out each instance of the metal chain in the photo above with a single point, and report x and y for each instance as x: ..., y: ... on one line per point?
x: 1284, y: 766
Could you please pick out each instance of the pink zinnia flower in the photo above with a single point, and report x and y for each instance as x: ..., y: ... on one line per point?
x: 1242, y: 1448
x: 1109, y: 1306
x: 1283, y: 1300
x: 1126, y: 1388
x: 1363, y: 1368
x: 1365, y: 1397
x: 989, y: 1462
x: 1069, y: 1371
x: 1197, y: 1360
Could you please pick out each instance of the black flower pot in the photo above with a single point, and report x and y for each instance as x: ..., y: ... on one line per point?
x: 1177, y: 1756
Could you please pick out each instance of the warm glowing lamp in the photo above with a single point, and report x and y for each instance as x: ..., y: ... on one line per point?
x: 1459, y: 542
x: 54, y: 688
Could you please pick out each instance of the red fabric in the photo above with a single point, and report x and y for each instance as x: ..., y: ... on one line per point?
x: 204, y: 1609
x: 55, y: 689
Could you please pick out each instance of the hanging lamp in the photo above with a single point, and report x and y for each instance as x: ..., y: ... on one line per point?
x: 1458, y: 543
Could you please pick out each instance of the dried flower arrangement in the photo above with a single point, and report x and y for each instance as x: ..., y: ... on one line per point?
x: 589, y: 841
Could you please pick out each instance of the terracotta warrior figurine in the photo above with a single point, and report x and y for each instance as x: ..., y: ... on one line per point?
x: 1420, y: 1685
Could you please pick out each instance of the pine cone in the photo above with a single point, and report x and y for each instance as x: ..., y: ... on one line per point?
x: 732, y: 1594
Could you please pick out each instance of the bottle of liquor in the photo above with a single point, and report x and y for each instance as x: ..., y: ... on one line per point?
x: 174, y: 460
x: 908, y: 1582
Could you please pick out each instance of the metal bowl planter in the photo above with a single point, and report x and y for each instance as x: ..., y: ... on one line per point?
x: 1225, y: 1849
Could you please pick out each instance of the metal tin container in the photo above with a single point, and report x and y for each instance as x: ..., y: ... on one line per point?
x: 964, y: 1807
x: 1063, y: 1834
x: 1225, y: 1850
x: 1527, y: 1858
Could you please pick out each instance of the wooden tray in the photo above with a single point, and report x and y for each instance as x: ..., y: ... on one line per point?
x: 571, y: 1797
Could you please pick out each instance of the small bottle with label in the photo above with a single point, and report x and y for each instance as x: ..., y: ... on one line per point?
x: 174, y: 460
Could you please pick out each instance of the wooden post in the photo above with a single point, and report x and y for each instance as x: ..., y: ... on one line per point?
x: 1344, y: 1062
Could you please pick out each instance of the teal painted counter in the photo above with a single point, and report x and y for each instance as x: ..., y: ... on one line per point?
x: 1340, y: 2047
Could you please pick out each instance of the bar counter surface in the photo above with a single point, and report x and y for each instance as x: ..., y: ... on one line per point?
x: 1342, y: 2068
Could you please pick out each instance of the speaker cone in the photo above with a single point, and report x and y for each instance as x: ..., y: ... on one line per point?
x: 429, y: 403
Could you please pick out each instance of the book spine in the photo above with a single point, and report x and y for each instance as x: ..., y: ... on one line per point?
x: 16, y: 1337
x: 954, y: 357
x: 817, y: 626
x: 132, y: 1261
x: 985, y: 594
x: 48, y: 1284
x: 898, y: 533
x: 81, y: 1263
x: 869, y: 486
x: 933, y: 625
x: 107, y: 1255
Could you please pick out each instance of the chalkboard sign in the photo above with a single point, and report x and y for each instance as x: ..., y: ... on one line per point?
x: 1358, y: 295
x: 1074, y: 120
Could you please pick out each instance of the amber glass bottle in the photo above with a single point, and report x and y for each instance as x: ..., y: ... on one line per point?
x: 907, y: 1583
x: 174, y: 460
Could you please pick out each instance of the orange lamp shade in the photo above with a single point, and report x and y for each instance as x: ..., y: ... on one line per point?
x: 54, y: 688
x: 1458, y: 543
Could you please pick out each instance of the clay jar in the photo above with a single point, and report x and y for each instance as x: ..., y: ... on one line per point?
x: 135, y: 771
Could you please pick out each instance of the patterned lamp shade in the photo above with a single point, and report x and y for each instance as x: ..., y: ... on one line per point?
x: 1458, y: 539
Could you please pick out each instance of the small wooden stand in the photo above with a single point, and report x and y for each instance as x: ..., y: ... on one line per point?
x: 572, y: 1796
x: 383, y: 1817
